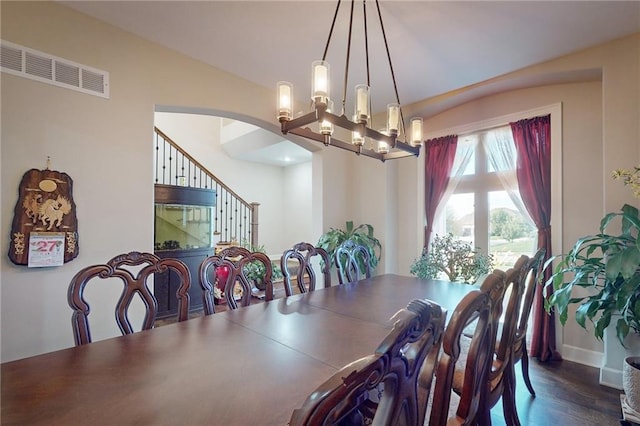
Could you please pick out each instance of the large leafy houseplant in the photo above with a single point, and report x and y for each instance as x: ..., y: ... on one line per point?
x: 361, y: 235
x: 255, y: 271
x: 452, y: 257
x: 608, y: 265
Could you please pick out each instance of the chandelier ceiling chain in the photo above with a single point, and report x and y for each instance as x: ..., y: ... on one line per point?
x: 384, y: 143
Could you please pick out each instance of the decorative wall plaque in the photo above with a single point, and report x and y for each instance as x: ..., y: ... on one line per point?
x: 45, y: 207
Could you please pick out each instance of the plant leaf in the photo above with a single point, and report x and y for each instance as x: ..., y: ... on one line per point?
x: 622, y: 329
x: 613, y: 266
x: 629, y: 262
x: 349, y: 227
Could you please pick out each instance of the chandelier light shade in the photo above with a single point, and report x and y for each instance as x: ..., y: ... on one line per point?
x: 388, y: 143
x: 285, y: 100
x: 362, y: 104
x: 320, y: 82
x: 393, y: 118
x: 416, y: 131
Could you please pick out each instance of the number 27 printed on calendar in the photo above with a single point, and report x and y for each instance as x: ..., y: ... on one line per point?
x: 46, y: 249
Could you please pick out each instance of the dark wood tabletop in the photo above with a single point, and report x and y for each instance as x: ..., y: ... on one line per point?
x: 249, y: 366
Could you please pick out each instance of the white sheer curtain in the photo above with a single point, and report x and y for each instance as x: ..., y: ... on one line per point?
x: 464, y: 154
x: 501, y: 153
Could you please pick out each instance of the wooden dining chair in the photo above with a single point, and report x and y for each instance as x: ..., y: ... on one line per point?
x: 531, y: 276
x: 388, y: 377
x: 353, y: 262
x: 501, y: 375
x: 505, y: 316
x: 134, y: 270
x: 302, y: 255
x: 475, y: 365
x: 238, y: 289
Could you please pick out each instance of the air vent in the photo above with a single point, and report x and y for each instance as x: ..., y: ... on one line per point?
x: 29, y: 63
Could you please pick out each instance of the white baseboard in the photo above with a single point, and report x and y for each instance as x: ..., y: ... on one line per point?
x: 582, y: 356
x: 611, y: 377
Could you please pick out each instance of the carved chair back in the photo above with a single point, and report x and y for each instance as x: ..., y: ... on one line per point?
x: 505, y: 322
x: 474, y: 364
x: 390, y: 375
x: 509, y: 318
x: 502, y: 378
x: 134, y: 283
x: 353, y: 262
x: 235, y: 260
x: 530, y: 275
x: 302, y: 255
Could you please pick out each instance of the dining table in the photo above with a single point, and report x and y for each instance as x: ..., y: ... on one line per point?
x: 249, y: 366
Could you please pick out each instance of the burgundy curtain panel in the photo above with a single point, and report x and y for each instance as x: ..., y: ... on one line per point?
x: 438, y: 160
x: 533, y: 169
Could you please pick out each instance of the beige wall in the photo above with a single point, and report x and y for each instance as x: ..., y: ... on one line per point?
x: 105, y: 145
x: 296, y: 209
x: 86, y: 137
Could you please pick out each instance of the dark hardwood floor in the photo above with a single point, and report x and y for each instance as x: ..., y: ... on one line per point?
x: 567, y: 394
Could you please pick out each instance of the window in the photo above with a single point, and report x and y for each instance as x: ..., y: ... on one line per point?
x: 484, y: 205
x: 483, y: 189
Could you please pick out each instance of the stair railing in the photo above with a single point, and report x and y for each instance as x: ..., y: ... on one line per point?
x: 234, y: 218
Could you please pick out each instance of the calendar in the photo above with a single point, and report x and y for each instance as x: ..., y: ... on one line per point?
x: 46, y: 249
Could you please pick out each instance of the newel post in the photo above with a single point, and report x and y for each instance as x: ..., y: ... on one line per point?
x: 254, y: 224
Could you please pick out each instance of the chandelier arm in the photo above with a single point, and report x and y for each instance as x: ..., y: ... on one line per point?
x: 310, y: 134
x: 366, y: 42
x: 407, y: 151
x: 366, y: 55
x: 295, y: 127
x: 402, y: 131
x: 386, y: 46
x: 346, y: 64
x: 358, y: 150
x: 333, y: 24
x: 393, y: 74
x: 288, y: 125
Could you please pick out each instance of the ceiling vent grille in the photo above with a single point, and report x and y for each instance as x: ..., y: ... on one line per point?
x: 35, y: 65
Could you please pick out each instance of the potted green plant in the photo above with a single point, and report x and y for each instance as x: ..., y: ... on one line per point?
x: 255, y: 271
x: 451, y: 257
x: 361, y: 234
x: 607, y: 264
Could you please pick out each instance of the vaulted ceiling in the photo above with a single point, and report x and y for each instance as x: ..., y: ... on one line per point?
x: 435, y: 46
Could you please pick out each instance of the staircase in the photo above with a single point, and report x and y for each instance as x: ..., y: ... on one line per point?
x: 184, y: 186
x: 235, y: 220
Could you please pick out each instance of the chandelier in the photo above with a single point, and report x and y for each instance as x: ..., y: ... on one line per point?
x: 386, y: 143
